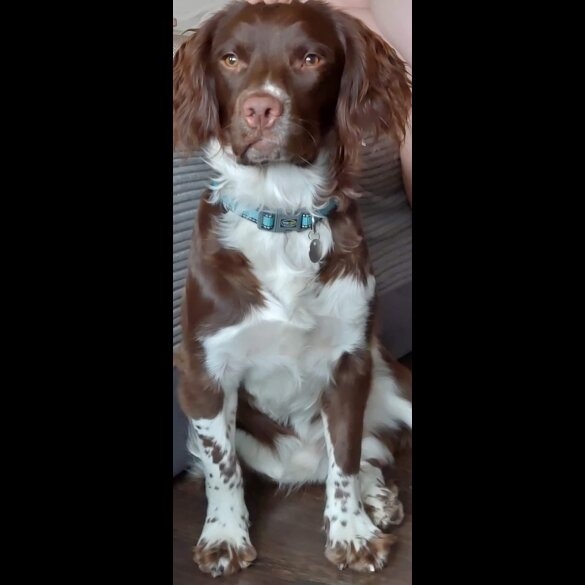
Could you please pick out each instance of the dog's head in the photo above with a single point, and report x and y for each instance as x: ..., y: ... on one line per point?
x: 274, y: 82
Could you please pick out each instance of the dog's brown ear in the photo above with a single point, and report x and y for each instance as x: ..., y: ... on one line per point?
x: 375, y: 94
x: 195, y: 109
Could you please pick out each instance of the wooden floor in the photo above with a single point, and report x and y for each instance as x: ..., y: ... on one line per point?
x: 286, y: 531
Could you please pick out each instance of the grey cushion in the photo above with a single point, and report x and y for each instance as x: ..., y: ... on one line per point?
x: 180, y: 453
x: 395, y: 319
x: 190, y: 177
x: 386, y: 215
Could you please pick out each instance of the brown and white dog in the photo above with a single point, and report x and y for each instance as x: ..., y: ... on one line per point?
x: 281, y: 367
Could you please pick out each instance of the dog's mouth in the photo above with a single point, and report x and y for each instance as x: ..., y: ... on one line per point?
x: 265, y: 145
x: 261, y: 150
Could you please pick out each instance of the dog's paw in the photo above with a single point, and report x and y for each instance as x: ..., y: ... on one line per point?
x: 383, y: 506
x: 354, y: 542
x: 362, y: 556
x: 223, y: 557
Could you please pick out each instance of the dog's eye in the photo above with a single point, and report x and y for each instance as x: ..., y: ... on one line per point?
x: 230, y: 60
x: 311, y: 60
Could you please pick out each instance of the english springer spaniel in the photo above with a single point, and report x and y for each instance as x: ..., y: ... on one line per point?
x: 281, y: 368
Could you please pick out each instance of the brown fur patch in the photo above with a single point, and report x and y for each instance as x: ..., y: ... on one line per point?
x: 199, y: 395
x: 228, y: 469
x: 349, y: 256
x: 344, y: 404
x: 219, y: 290
x: 212, y: 448
x: 375, y: 90
x: 256, y: 423
x: 220, y: 287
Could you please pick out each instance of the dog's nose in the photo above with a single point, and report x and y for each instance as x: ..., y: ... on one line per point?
x: 261, y: 111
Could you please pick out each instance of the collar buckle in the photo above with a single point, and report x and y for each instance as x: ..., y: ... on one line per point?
x: 280, y: 221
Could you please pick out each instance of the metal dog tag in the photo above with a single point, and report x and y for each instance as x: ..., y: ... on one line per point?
x: 315, y: 250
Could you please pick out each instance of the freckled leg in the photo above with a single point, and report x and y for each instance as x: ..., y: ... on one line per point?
x: 224, y: 545
x: 352, y: 538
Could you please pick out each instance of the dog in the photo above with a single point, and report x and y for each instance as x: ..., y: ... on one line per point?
x: 281, y: 368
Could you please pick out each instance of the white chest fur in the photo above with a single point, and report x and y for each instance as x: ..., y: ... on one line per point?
x: 284, y: 352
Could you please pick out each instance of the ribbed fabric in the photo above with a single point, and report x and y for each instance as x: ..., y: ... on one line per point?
x: 190, y: 178
x: 386, y: 215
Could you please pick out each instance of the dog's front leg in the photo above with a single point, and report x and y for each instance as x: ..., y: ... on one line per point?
x: 224, y: 545
x: 352, y: 539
